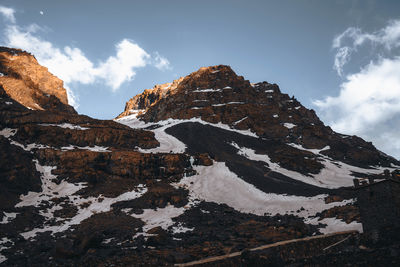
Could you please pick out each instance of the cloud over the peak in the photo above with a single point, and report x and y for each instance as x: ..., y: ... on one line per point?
x: 8, y: 13
x: 72, y: 66
x: 368, y: 103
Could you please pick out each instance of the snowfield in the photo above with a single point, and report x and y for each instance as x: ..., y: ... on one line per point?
x: 169, y: 143
x: 336, y: 174
x: 218, y: 184
x: 64, y: 189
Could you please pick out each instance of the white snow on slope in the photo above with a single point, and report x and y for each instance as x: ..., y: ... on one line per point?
x: 206, y: 90
x: 8, y: 132
x: 64, y: 189
x: 66, y: 126
x: 216, y: 183
x: 312, y: 150
x: 180, y: 228
x: 162, y: 217
x: 239, y: 121
x: 229, y: 103
x: 159, y: 217
x: 4, y: 241
x: 49, y: 188
x: 335, y: 174
x: 28, y: 147
x: 8, y: 217
x: 169, y: 143
x: 334, y: 225
x: 90, y: 148
x: 289, y: 125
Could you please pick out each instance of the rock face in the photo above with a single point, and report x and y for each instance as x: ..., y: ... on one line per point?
x: 30, y: 83
x: 217, y: 95
x: 204, y: 166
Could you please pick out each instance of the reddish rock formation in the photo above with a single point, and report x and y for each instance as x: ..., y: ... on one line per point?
x: 92, y: 196
x: 216, y: 94
x: 31, y: 84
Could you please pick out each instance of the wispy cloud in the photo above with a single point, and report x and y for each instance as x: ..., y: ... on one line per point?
x: 8, y: 13
x: 352, y: 38
x: 72, y: 66
x: 161, y: 62
x: 368, y: 103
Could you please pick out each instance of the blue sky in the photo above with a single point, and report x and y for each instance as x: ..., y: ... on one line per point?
x: 325, y: 53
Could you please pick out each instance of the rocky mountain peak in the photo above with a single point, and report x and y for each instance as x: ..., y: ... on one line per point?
x: 216, y: 94
x: 214, y: 77
x: 205, y: 165
x: 31, y: 84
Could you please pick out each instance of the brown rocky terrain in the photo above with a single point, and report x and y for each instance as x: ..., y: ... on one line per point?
x: 31, y: 84
x: 77, y: 191
x: 216, y: 94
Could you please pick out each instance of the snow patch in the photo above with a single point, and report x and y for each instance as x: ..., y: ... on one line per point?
x: 269, y: 91
x: 239, y: 121
x: 216, y: 183
x: 9, y: 103
x: 66, y: 126
x: 289, y: 125
x: 8, y: 132
x: 206, y: 90
x: 4, y: 241
x: 167, y: 142
x: 314, y: 151
x: 335, y: 174
x: 8, y: 217
x: 181, y: 229
x: 161, y: 217
x: 67, y: 190
x: 229, y: 103
x: 335, y: 225
x: 90, y: 148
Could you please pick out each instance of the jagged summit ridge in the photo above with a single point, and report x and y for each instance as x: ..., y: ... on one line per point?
x: 217, y: 94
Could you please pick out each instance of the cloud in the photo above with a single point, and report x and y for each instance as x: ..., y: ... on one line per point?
x: 341, y: 58
x: 116, y: 70
x: 72, y: 66
x: 352, y: 38
x: 161, y: 62
x: 8, y: 13
x: 368, y: 103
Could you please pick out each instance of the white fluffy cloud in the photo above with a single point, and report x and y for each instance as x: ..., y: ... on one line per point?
x: 72, y: 66
x: 368, y: 103
x: 8, y: 13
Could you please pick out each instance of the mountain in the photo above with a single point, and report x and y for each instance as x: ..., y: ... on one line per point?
x: 29, y: 83
x: 207, y: 165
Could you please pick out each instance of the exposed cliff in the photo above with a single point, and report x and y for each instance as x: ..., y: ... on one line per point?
x: 31, y: 84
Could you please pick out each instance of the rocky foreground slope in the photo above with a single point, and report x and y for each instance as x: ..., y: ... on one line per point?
x: 207, y: 165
